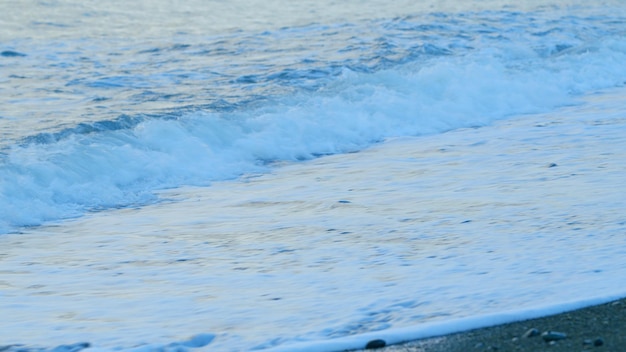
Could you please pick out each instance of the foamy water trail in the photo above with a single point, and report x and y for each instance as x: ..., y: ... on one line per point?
x: 305, y: 175
x: 409, y: 238
x: 116, y: 165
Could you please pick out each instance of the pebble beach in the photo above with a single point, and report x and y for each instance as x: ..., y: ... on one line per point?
x: 596, y: 328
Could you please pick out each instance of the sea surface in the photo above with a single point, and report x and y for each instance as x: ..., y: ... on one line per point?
x: 305, y: 176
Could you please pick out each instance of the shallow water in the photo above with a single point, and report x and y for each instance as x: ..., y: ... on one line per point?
x: 522, y: 214
x: 102, y: 120
x: 274, y: 175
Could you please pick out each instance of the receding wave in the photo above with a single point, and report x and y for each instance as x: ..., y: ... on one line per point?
x: 121, y: 162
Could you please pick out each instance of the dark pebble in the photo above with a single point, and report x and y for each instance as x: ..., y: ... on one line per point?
x: 598, y: 342
x: 378, y: 343
x: 550, y: 336
x: 11, y: 53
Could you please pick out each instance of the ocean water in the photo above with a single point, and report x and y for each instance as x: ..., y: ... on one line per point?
x: 247, y: 175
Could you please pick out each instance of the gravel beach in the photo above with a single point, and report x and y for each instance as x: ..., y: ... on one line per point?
x: 599, y: 328
x: 596, y: 328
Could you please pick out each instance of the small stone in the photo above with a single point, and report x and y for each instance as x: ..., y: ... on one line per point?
x: 374, y: 344
x: 531, y: 333
x: 598, y: 342
x: 550, y: 336
x: 199, y: 340
x: 11, y: 53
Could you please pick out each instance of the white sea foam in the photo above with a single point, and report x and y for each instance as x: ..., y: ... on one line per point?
x: 83, y: 172
x: 216, y: 201
x: 414, y: 237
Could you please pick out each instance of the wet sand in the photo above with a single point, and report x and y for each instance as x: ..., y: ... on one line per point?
x: 596, y: 328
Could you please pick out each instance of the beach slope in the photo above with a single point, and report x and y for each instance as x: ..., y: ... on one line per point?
x: 596, y: 328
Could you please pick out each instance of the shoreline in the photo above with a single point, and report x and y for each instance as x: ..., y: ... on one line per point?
x: 600, y: 328
x: 596, y: 328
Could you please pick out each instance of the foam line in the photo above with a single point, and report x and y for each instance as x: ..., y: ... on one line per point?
x: 422, y: 331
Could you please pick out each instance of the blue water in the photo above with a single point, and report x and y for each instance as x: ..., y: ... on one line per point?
x: 104, y: 106
x: 94, y: 118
